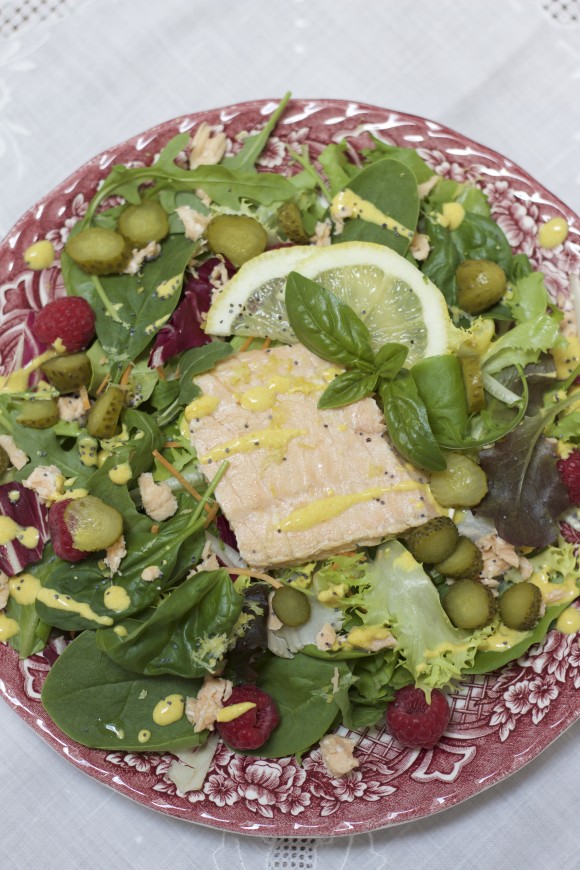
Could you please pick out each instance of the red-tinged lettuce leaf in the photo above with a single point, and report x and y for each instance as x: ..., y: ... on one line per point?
x: 23, y: 506
x: 184, y: 329
x: 526, y: 494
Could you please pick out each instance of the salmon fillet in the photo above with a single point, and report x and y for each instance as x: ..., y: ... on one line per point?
x: 302, y: 483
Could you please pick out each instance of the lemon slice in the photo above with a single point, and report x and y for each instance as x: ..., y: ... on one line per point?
x: 390, y: 295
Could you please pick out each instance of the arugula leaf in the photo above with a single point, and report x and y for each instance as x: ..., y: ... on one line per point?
x: 187, y: 634
x: 326, y: 325
x: 337, y: 167
x: 253, y: 146
x: 408, y: 423
x: 348, y: 387
x: 101, y: 705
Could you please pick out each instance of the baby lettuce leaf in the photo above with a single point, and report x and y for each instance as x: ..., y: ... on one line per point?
x: 187, y: 634
x: 431, y: 649
x: 99, y: 704
x: 392, y: 188
x: 174, y: 548
x: 302, y: 689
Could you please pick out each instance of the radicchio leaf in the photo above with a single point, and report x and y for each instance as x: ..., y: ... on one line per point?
x: 526, y: 494
x: 184, y: 328
x: 24, y: 507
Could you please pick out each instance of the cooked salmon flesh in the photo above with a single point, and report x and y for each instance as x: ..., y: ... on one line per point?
x: 302, y: 483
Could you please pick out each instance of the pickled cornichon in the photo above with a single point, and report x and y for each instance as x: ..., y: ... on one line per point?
x: 68, y: 372
x: 291, y: 606
x: 143, y: 223
x: 462, y: 484
x: 99, y: 250
x: 237, y: 236
x: 465, y: 561
x: 433, y: 541
x: 480, y: 284
x: 520, y: 606
x: 38, y: 413
x: 290, y: 218
x: 104, y: 416
x: 469, y: 604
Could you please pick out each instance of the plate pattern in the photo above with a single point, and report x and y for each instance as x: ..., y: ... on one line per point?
x: 499, y: 722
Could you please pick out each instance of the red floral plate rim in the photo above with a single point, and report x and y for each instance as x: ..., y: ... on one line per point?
x: 499, y: 722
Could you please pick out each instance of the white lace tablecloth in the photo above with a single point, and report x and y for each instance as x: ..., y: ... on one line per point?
x: 77, y: 76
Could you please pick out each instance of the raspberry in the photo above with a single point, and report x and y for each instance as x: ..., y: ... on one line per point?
x: 253, y: 728
x: 570, y: 473
x: 60, y: 536
x: 70, y: 318
x: 414, y: 722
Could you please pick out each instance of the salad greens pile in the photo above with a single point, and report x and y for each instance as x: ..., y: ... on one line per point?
x: 194, y: 620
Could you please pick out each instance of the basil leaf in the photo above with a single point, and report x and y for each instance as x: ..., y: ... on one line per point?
x: 346, y: 388
x: 439, y: 382
x: 390, y: 359
x: 408, y: 423
x: 326, y: 325
x: 101, y: 705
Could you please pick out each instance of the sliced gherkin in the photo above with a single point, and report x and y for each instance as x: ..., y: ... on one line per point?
x: 143, y: 223
x: 433, y: 541
x: 38, y: 413
x: 104, y: 416
x: 464, y: 562
x: 469, y: 604
x: 291, y: 606
x: 520, y: 606
x: 68, y: 372
x: 290, y: 218
x: 237, y: 236
x: 99, y: 250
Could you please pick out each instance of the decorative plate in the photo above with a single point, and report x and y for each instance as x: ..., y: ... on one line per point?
x: 500, y: 721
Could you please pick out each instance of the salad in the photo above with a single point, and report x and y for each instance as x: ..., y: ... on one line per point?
x: 193, y: 462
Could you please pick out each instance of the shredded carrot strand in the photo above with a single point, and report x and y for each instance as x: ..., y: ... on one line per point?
x: 103, y: 384
x: 267, y: 342
x: 247, y: 572
x: 211, y: 515
x: 246, y: 344
x: 169, y: 444
x: 84, y: 398
x: 126, y: 375
x: 161, y: 373
x: 175, y: 473
x: 154, y: 529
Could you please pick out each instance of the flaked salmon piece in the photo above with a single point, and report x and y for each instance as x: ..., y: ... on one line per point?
x: 302, y: 483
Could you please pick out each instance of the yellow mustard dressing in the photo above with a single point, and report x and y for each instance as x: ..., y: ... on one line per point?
x: 405, y: 562
x: 120, y: 631
x: 59, y: 601
x: 553, y: 232
x: 569, y: 621
x: 144, y: 735
x: 10, y: 531
x: 502, y: 638
x: 555, y: 593
x: 566, y: 358
x: 17, y: 381
x: 39, y: 255
x: 260, y: 439
x: 24, y: 588
x: 452, y: 215
x: 169, y: 710
x: 88, y: 451
x: 348, y: 204
x: 8, y: 628
x: 201, y: 407
x: 323, y: 509
x: 121, y: 474
x: 234, y: 711
x: 258, y: 399
x: 116, y: 599
x: 363, y: 636
x: 167, y: 288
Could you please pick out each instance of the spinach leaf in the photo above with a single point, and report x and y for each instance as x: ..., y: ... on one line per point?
x: 302, y: 689
x: 408, y: 423
x: 442, y: 261
x: 439, y: 382
x: 391, y: 187
x: 101, y: 705
x: 326, y: 325
x: 348, y: 387
x: 32, y: 632
x: 131, y: 309
x: 187, y: 634
x: 408, y: 156
x: 178, y: 542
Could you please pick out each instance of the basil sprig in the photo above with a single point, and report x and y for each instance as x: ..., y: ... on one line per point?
x: 330, y: 328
